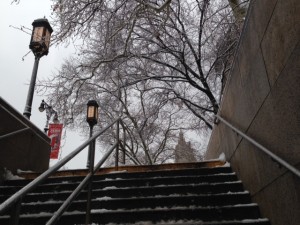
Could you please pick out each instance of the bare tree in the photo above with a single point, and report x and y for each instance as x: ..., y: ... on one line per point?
x: 179, y: 39
x: 173, y: 54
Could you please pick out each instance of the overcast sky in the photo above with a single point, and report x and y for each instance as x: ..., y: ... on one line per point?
x: 16, y: 74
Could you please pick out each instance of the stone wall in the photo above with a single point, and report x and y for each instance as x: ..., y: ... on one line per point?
x: 262, y: 98
x: 27, y: 150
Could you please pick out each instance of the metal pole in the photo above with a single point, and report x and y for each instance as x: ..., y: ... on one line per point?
x: 117, y: 147
x: 15, y: 213
x: 124, y: 143
x: 124, y: 140
x: 27, y: 110
x: 90, y: 165
x: 90, y: 149
x: 47, y: 125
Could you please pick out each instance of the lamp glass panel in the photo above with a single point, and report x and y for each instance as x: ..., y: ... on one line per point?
x: 96, y: 116
x: 47, y: 38
x: 37, y: 34
x: 91, y: 112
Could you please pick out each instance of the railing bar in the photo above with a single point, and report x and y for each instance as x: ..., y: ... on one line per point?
x: 124, y: 141
x: 32, y: 130
x: 14, y: 198
x: 133, y: 159
x: 107, y: 154
x: 117, y: 147
x: 14, y: 133
x: 264, y: 149
x: 69, y: 200
x: 15, y: 213
x: 61, y: 210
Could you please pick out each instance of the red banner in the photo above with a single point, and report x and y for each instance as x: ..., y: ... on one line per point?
x: 54, y: 134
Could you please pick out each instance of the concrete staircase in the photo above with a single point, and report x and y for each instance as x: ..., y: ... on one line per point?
x: 207, y: 196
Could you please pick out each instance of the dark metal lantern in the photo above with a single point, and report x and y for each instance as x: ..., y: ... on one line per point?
x: 92, y: 112
x: 40, y: 38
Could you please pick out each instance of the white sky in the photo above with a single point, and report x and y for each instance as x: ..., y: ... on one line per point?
x: 16, y: 74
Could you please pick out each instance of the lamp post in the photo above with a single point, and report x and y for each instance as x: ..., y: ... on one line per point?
x: 39, y: 45
x: 92, y: 119
x: 50, y: 112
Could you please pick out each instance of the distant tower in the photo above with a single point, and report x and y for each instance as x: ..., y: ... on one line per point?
x: 183, y: 150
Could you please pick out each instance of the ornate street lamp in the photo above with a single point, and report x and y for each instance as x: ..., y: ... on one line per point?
x: 50, y: 112
x: 92, y: 119
x: 39, y: 45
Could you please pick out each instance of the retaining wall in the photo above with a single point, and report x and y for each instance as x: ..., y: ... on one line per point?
x: 262, y: 98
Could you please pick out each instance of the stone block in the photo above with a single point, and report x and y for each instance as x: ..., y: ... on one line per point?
x: 260, y: 13
x: 248, y: 170
x: 255, y: 87
x: 230, y: 141
x: 281, y: 37
x: 257, y: 169
x: 280, y: 200
x: 277, y: 123
x: 262, y: 99
x: 27, y: 150
x: 214, y: 144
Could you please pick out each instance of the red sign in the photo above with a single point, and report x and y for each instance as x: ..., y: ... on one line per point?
x: 54, y: 134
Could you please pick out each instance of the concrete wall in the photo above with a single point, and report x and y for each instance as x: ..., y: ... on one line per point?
x: 28, y: 150
x: 262, y: 98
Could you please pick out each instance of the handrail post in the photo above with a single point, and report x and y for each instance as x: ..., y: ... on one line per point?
x: 124, y: 140
x: 118, y: 144
x: 15, y: 213
x: 122, y: 143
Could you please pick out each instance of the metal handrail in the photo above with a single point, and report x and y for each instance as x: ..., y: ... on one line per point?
x: 276, y: 158
x: 26, y: 127
x: 16, y: 198
x: 79, y: 188
x: 14, y: 133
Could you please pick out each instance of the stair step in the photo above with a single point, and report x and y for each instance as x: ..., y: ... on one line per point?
x: 103, y: 216
x: 149, y: 202
x: 114, y: 192
x: 187, y: 222
x: 138, y: 182
x: 178, y: 213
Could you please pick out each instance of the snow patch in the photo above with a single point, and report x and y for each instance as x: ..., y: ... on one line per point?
x: 120, y: 171
x: 222, y: 157
x: 227, y: 164
x: 104, y: 198
x: 24, y: 171
x: 8, y: 175
x: 110, y: 188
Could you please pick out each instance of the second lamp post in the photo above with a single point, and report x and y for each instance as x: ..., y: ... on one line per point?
x: 50, y: 112
x: 92, y: 119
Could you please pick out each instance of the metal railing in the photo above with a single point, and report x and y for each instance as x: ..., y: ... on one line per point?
x: 276, y: 158
x: 14, y: 133
x: 15, y: 201
x: 21, y: 130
